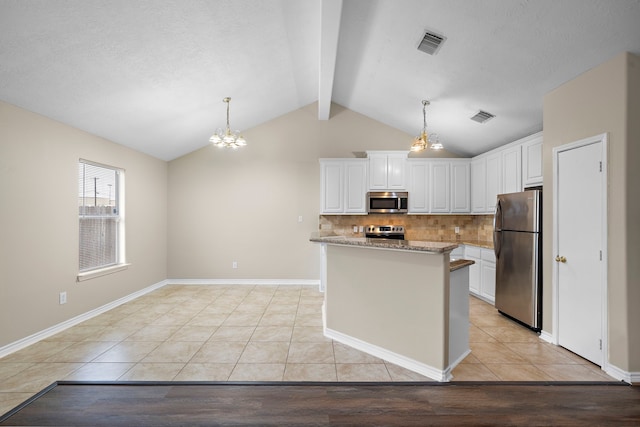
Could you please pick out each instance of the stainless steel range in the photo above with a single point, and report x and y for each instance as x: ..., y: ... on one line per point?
x: 394, y: 232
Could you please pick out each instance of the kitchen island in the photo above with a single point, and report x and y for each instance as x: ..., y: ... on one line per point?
x: 397, y: 300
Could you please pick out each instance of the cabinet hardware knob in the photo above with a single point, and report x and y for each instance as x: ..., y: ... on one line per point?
x: 561, y: 259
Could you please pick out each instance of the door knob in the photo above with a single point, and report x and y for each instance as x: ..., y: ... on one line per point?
x: 561, y: 259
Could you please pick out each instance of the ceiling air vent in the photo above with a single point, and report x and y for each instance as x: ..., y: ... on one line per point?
x: 482, y: 117
x: 431, y: 43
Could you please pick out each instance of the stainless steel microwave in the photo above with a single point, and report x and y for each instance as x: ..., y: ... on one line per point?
x: 387, y: 202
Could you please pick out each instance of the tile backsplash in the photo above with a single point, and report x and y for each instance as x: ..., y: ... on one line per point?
x: 417, y: 227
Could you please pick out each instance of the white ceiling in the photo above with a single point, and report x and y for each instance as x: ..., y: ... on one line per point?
x: 151, y: 74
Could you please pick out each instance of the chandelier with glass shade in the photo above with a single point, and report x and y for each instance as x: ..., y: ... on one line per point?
x: 226, y: 138
x: 424, y: 140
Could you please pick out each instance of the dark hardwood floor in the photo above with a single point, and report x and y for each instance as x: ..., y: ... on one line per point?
x: 331, y: 404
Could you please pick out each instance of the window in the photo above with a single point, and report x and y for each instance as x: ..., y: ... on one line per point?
x: 100, y: 215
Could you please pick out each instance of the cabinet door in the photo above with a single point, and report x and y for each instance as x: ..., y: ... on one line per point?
x: 474, y: 276
x: 512, y: 170
x: 479, y: 186
x: 532, y: 162
x: 494, y: 180
x: 488, y: 280
x: 332, y: 184
x: 473, y: 253
x: 460, y: 197
x: 355, y: 175
x: 396, y: 166
x: 418, y: 172
x: 440, y: 187
x: 377, y: 172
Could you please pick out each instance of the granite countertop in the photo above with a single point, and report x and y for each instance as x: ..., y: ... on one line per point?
x: 323, y: 236
x: 460, y: 263
x: 407, y: 245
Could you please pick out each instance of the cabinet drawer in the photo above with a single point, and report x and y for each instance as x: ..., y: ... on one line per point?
x: 488, y: 255
x: 472, y: 251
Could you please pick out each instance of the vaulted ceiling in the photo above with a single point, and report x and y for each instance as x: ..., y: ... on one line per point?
x: 152, y: 74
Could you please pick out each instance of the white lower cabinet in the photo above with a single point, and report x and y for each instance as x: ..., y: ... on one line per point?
x: 482, y: 274
x: 488, y: 275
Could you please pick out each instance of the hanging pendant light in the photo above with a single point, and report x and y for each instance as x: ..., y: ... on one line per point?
x: 226, y: 138
x: 422, y: 142
x: 435, y: 142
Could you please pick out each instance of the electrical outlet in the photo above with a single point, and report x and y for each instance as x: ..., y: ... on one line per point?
x: 457, y: 230
x: 63, y: 298
x: 361, y: 228
x: 234, y: 264
x: 355, y: 228
x: 299, y: 218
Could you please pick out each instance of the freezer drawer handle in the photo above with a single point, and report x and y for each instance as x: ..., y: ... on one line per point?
x: 561, y: 259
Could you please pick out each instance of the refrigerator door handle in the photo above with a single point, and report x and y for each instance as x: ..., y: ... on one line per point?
x: 497, y: 217
x: 497, y: 226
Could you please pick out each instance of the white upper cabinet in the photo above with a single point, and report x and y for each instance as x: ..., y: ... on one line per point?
x: 418, y: 173
x: 532, y: 161
x: 507, y: 169
x: 355, y: 174
x: 332, y: 186
x: 460, y: 194
x: 512, y: 169
x: 494, y: 180
x: 343, y: 186
x: 387, y: 170
x: 440, y: 187
x: 479, y: 185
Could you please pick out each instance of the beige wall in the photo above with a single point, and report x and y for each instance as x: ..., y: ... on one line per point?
x: 633, y: 210
x: 602, y: 100
x: 244, y: 205
x: 39, y: 217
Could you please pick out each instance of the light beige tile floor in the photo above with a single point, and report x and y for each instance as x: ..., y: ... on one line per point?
x: 257, y: 333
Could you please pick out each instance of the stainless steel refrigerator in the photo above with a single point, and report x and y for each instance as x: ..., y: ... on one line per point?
x: 517, y: 240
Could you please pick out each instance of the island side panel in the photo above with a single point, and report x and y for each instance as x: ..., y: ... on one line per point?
x: 397, y: 300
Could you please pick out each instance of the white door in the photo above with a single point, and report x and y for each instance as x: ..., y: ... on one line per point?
x: 579, y: 248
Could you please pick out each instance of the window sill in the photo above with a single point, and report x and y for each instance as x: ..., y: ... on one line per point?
x: 87, y: 275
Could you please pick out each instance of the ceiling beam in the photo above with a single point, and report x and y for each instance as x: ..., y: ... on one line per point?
x: 330, y: 14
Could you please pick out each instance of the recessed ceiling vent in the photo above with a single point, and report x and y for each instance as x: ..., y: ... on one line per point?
x: 431, y: 42
x: 482, y: 117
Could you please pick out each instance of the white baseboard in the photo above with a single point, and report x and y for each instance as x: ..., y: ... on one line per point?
x: 621, y: 375
x: 546, y: 336
x: 46, y: 333
x: 405, y: 362
x: 257, y: 282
